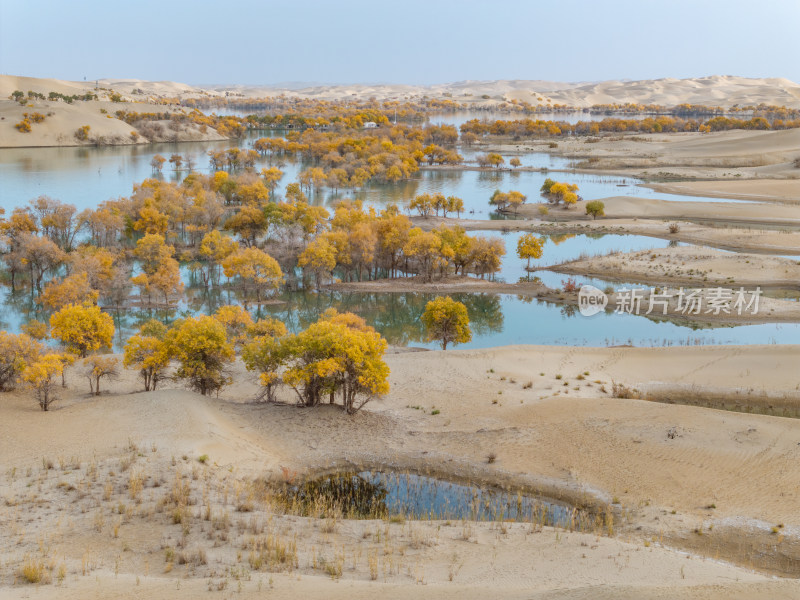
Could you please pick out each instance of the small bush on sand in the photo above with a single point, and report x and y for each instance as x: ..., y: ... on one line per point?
x: 620, y: 390
x: 82, y: 133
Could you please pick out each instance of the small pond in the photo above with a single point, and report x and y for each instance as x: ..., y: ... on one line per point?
x: 380, y: 494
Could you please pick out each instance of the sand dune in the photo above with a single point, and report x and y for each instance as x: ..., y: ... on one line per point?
x: 714, y: 90
x: 756, y: 150
x: 622, y: 207
x: 575, y: 438
x: 692, y: 266
x: 62, y: 120
x: 10, y: 83
x: 734, y: 154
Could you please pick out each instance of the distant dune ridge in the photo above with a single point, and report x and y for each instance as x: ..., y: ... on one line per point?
x: 143, y: 96
x: 714, y: 90
x: 722, y: 90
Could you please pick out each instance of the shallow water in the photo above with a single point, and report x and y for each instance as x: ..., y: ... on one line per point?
x: 370, y: 494
x: 458, y: 118
x: 562, y: 248
x: 86, y: 176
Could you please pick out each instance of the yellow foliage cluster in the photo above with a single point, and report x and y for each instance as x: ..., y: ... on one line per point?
x: 40, y: 376
x: 339, y: 355
x: 447, y: 321
x: 73, y: 289
x: 530, y: 246
x: 82, y: 328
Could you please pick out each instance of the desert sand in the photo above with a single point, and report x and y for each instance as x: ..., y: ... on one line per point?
x: 786, y: 190
x: 566, y: 437
x: 733, y: 155
x: 111, y: 496
x: 743, y: 239
x: 718, y: 213
x: 62, y: 120
x: 690, y: 265
x: 688, y: 158
x: 714, y: 90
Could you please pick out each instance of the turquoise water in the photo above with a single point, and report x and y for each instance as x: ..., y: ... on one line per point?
x: 558, y: 249
x: 458, y: 118
x: 86, y: 176
x: 371, y: 493
x: 496, y: 319
x: 502, y: 319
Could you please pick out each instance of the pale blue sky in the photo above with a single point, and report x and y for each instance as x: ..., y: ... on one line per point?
x: 408, y: 41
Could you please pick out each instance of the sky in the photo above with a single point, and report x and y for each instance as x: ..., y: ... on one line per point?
x: 406, y: 41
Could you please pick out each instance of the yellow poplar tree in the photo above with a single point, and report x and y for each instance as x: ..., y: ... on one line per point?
x: 339, y: 354
x: 237, y: 322
x: 256, y: 269
x: 41, y: 376
x: 319, y: 257
x: 447, y: 321
x: 201, y: 348
x: 99, y: 367
x: 16, y: 353
x: 529, y: 246
x: 149, y: 355
x: 74, y: 289
x: 82, y: 329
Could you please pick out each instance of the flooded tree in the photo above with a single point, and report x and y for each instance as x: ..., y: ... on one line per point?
x: 447, y: 321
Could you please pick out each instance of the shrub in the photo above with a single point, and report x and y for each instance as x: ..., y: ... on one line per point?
x: 674, y: 228
x: 23, y: 126
x: 16, y: 353
x: 620, y: 390
x: 34, y: 571
x: 595, y: 208
x: 569, y: 285
x: 100, y: 367
x: 82, y: 133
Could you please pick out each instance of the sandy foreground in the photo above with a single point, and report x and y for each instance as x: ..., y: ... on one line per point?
x: 667, y: 471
